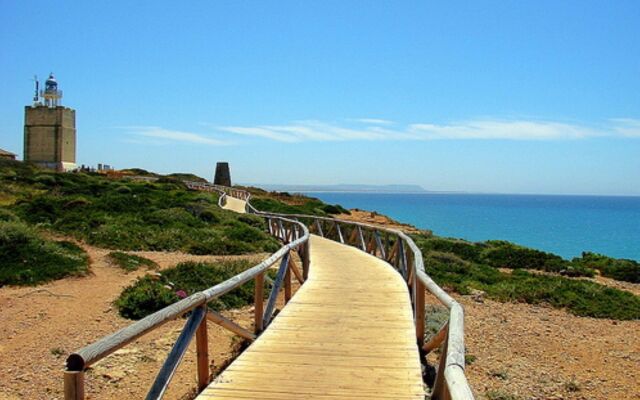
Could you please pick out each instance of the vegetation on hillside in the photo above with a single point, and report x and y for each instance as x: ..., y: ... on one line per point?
x: 26, y: 258
x: 129, y: 215
x: 286, y: 203
x: 463, y: 266
x: 154, y: 292
x: 130, y: 262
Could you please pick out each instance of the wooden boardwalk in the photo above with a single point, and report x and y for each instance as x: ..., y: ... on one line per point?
x: 234, y: 204
x: 346, y: 334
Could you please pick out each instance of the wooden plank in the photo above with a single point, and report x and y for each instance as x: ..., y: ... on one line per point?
x: 338, y: 337
x: 258, y: 299
x: 161, y: 383
x: 296, y: 272
x: 277, y: 284
x: 202, y: 354
x: 230, y: 325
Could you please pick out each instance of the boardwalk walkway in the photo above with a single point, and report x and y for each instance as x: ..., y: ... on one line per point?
x: 346, y: 334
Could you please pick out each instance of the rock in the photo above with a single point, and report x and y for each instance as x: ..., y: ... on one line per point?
x: 477, y: 295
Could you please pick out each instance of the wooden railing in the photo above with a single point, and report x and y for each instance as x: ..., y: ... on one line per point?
x: 296, y: 240
x: 399, y: 250
x: 391, y: 245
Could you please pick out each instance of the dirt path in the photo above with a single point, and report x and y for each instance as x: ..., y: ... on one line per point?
x: 40, y: 326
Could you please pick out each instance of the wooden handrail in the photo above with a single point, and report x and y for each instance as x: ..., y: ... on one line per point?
x: 451, y: 382
x: 452, y: 364
x: 80, y: 360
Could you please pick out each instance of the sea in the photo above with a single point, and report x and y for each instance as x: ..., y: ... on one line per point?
x: 564, y: 225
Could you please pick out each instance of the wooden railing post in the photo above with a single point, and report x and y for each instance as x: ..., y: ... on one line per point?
x: 306, y: 259
x: 202, y: 351
x: 287, y: 282
x: 418, y: 289
x: 259, y: 303
x: 73, y: 385
x: 439, y: 386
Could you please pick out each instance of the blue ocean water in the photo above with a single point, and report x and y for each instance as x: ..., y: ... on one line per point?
x: 564, y: 225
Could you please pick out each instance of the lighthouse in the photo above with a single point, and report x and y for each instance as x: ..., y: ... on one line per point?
x: 50, y: 129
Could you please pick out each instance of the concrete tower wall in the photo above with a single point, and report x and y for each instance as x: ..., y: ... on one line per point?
x: 50, y: 137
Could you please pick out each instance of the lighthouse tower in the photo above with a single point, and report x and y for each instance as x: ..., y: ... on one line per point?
x: 50, y: 129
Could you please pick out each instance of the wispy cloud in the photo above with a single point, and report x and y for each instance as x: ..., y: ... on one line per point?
x: 627, y: 127
x: 374, y: 121
x: 155, y: 132
x: 505, y: 130
x: 481, y: 129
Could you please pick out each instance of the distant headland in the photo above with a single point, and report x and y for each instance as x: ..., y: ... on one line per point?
x: 344, y: 188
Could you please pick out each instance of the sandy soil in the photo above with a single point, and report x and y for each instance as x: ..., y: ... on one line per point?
x: 373, y: 218
x: 40, y: 326
x: 535, y: 352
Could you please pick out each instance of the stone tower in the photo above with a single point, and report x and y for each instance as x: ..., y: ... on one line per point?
x: 50, y: 130
x: 222, y: 176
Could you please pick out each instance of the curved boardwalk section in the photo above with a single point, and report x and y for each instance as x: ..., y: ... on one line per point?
x: 346, y: 334
x: 234, y: 204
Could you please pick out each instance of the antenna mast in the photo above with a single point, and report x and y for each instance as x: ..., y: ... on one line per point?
x: 36, y: 96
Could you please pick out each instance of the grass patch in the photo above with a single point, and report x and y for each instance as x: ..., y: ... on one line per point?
x: 464, y: 270
x: 130, y: 262
x: 286, y: 203
x: 619, y: 269
x: 128, y: 215
x: 151, y: 293
x: 29, y: 259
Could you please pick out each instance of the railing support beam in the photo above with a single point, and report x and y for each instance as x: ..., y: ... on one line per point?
x: 202, y: 351
x: 73, y: 385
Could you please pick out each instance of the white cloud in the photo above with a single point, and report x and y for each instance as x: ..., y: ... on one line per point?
x: 173, y: 135
x: 480, y: 129
x: 506, y: 130
x: 627, y: 127
x: 374, y: 121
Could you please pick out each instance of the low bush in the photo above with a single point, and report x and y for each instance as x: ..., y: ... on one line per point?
x: 130, y: 262
x: 26, y: 258
x: 619, y: 269
x: 127, y: 215
x: 580, y: 297
x: 298, y: 204
x: 151, y: 293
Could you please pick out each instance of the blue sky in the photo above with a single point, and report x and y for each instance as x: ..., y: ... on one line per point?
x: 504, y: 96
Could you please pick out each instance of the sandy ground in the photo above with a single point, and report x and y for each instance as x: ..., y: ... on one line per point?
x: 40, y: 326
x: 535, y: 352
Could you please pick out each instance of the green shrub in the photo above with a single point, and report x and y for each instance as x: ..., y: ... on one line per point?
x: 144, y: 297
x: 501, y: 254
x: 130, y: 262
x: 141, y: 216
x: 303, y: 205
x: 580, y: 297
x: 28, y: 259
x: 149, y: 294
x: 619, y: 269
x: 7, y: 216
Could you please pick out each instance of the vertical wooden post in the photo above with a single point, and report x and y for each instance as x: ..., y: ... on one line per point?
x: 418, y: 288
x: 73, y: 385
x: 319, y: 226
x: 306, y: 260
x: 287, y: 282
x: 439, y: 386
x: 202, y: 352
x: 259, y: 303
